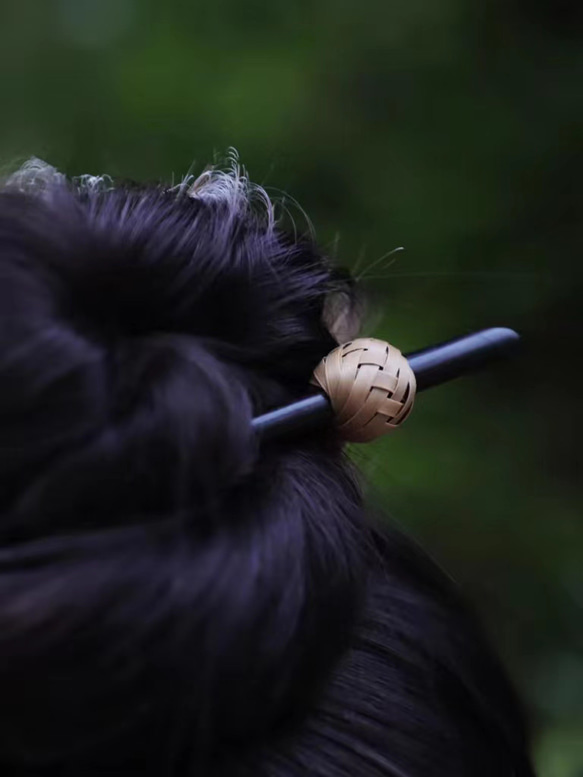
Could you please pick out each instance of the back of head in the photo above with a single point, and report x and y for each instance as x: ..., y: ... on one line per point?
x: 175, y: 598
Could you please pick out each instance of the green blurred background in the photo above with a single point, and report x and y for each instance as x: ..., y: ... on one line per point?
x: 448, y: 127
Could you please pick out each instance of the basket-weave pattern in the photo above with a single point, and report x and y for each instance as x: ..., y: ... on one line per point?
x: 370, y: 385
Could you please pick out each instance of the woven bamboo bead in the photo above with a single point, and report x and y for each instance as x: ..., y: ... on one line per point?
x: 370, y: 385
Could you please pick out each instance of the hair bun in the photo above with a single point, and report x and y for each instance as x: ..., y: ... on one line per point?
x: 161, y: 566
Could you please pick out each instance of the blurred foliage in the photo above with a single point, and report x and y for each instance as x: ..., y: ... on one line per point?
x: 445, y: 126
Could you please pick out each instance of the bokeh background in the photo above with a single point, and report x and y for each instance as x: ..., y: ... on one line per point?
x: 448, y: 127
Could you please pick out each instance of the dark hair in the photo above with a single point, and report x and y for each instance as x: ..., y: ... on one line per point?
x: 177, y: 599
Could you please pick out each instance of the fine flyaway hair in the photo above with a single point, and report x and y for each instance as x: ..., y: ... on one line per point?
x: 177, y: 598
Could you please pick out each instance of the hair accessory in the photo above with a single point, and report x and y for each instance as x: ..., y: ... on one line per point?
x: 370, y: 386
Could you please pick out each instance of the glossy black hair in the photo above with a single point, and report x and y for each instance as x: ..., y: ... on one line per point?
x: 177, y: 599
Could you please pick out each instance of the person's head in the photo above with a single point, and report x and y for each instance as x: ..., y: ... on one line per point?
x: 178, y: 598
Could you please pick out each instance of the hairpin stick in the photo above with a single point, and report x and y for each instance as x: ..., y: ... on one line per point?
x: 431, y: 367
